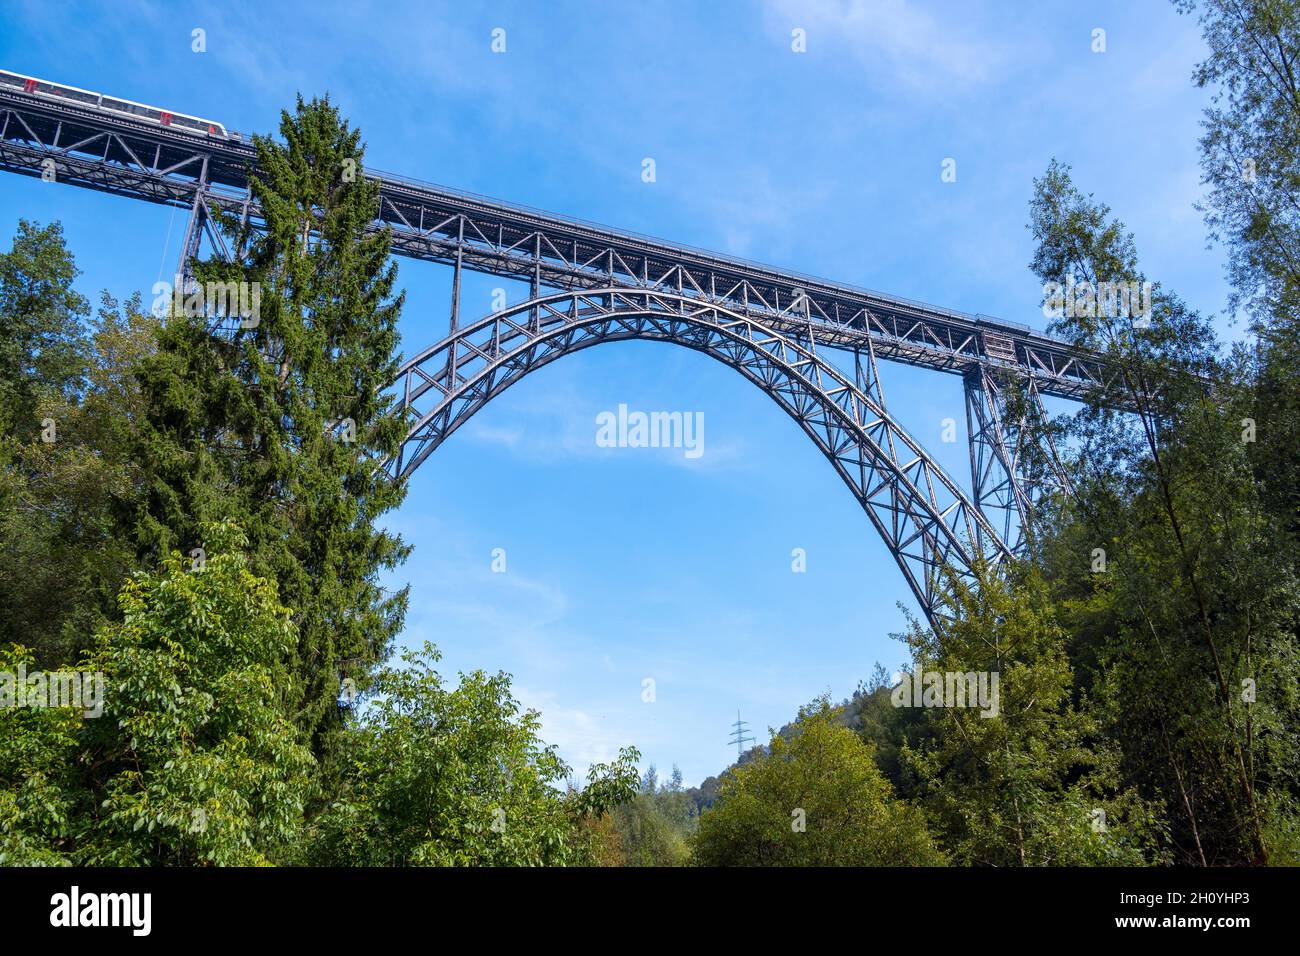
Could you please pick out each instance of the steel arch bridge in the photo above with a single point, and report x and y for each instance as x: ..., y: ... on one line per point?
x: 590, y: 284
x: 923, y: 516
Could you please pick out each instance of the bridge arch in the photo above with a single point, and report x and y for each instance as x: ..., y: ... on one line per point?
x: 925, y: 519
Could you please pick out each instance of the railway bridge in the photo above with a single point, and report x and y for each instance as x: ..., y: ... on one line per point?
x: 810, y: 344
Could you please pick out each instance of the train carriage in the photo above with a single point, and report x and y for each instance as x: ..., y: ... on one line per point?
x: 60, y: 91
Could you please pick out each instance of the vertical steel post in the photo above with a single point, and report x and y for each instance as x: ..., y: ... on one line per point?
x: 455, y: 278
x: 974, y: 428
x: 194, y: 228
x: 455, y: 304
x: 535, y: 290
x: 1001, y: 490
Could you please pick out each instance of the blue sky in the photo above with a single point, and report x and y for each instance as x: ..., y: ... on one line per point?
x: 628, y: 564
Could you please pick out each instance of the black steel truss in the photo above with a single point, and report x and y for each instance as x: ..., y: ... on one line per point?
x: 1013, y: 457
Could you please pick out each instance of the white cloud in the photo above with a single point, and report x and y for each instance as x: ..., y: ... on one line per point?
x: 748, y: 209
x: 892, y: 39
x: 583, y: 738
x: 509, y: 604
x: 494, y: 435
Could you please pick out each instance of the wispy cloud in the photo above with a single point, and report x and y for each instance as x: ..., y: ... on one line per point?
x: 750, y: 210
x: 583, y: 737
x: 477, y: 600
x: 561, y: 424
x: 891, y: 39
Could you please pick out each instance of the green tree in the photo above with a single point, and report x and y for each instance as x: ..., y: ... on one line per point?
x: 438, y: 776
x: 193, y: 761
x: 1173, y: 576
x: 1250, y: 149
x: 816, y: 799
x: 42, y: 332
x: 888, y: 729
x: 654, y: 827
x: 1015, y: 781
x: 67, y: 493
x: 1250, y: 156
x: 674, y: 803
x: 41, y: 798
x: 283, y: 422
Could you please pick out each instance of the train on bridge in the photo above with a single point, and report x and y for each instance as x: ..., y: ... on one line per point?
x: 64, y: 93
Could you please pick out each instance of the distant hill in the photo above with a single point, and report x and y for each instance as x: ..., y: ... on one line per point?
x: 858, y: 712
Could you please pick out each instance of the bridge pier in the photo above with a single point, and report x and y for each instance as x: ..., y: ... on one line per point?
x: 1013, y: 457
x: 194, y: 229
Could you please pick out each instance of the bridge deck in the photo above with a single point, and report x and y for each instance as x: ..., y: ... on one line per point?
x: 142, y: 160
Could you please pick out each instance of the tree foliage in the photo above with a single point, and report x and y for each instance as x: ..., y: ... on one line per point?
x: 42, y: 341
x: 192, y: 760
x: 194, y: 755
x: 438, y: 776
x: 282, y: 424
x: 68, y: 476
x: 1168, y: 565
x: 654, y: 827
x: 40, y: 791
x: 817, y: 799
x: 1018, y: 781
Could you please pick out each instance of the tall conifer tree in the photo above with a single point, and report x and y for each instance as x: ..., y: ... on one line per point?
x: 282, y: 422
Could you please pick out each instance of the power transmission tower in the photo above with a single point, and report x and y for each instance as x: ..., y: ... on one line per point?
x: 740, y: 735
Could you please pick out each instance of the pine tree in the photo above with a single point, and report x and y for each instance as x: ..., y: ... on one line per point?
x: 282, y: 423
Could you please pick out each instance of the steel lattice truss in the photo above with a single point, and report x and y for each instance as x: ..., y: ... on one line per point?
x: 768, y: 324
x: 1014, y: 462
x: 143, y: 161
x: 925, y: 518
